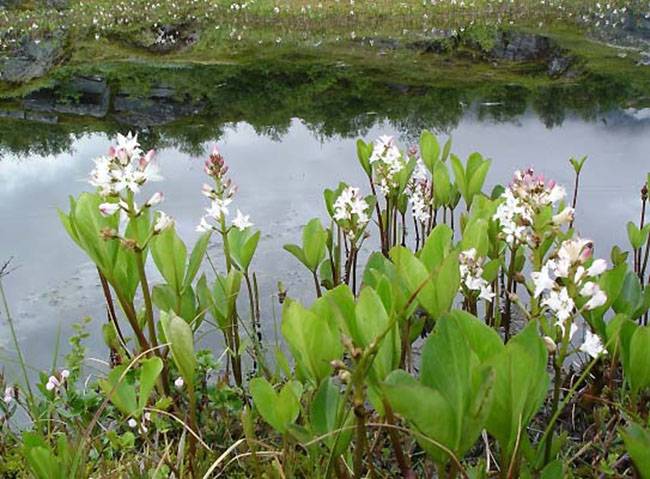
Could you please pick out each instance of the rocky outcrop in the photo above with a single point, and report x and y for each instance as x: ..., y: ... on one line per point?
x: 92, y: 96
x: 528, y: 47
x: 89, y: 96
x: 33, y: 58
x: 516, y: 46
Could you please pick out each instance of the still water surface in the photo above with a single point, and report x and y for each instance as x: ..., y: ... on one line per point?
x: 281, y: 182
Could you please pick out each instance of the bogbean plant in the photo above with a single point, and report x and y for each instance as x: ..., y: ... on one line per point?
x: 479, y: 336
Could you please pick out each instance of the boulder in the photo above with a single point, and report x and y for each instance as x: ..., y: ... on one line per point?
x: 33, y: 58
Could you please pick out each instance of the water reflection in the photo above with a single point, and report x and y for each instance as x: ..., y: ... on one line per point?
x: 281, y: 180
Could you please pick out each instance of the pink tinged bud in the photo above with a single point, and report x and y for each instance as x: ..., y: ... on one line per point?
x: 413, y: 150
x: 215, y: 151
x: 123, y: 156
x: 108, y: 209
x: 551, y: 184
x: 155, y: 199
x: 111, y: 151
x: 587, y: 252
x: 146, y: 159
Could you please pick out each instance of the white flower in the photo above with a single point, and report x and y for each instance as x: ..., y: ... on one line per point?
x: 388, y: 162
x: 9, y: 395
x: 54, y: 383
x: 592, y: 345
x: 218, y: 207
x: 564, y: 217
x: 597, y: 268
x: 203, y: 226
x: 419, y: 205
x: 561, y: 304
x: 471, y: 274
x: 420, y: 173
x: 351, y: 207
x: 129, y: 144
x: 163, y: 222
x: 125, y: 167
x: 179, y: 383
x: 241, y: 221
x: 109, y: 209
x: 542, y: 279
x: 132, y: 423
x: 597, y: 296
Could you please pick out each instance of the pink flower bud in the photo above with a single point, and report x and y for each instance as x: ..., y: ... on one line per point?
x: 108, y: 209
x: 146, y: 159
x: 587, y: 252
x: 122, y: 155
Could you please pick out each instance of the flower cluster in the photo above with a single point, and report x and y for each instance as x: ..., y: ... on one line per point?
x: 143, y: 425
x: 471, y: 274
x: 220, y: 195
x: 387, y: 162
x: 569, y: 270
x: 351, y: 211
x: 523, y: 199
x: 124, y: 168
x: 57, y: 381
x: 420, y: 193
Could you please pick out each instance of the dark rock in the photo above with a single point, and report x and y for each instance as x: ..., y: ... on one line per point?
x: 559, y: 65
x: 83, y: 96
x: 57, y: 4
x: 162, y: 92
x: 517, y: 46
x: 14, y: 114
x: 8, y: 3
x: 151, y: 111
x: 41, y: 117
x: 32, y: 59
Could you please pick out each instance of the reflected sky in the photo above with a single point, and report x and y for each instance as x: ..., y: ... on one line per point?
x: 280, y: 185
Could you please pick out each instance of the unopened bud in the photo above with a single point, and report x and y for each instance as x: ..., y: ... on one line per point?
x: 338, y: 364
x: 345, y: 376
x: 130, y: 244
x: 155, y: 199
x: 550, y: 344
x: 107, y: 233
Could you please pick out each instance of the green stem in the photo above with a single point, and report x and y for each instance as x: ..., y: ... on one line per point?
x: 226, y: 246
x: 14, y: 338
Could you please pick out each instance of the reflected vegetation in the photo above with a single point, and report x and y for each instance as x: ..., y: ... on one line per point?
x: 187, y: 106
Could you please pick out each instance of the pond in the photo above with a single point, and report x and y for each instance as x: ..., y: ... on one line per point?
x: 284, y: 146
